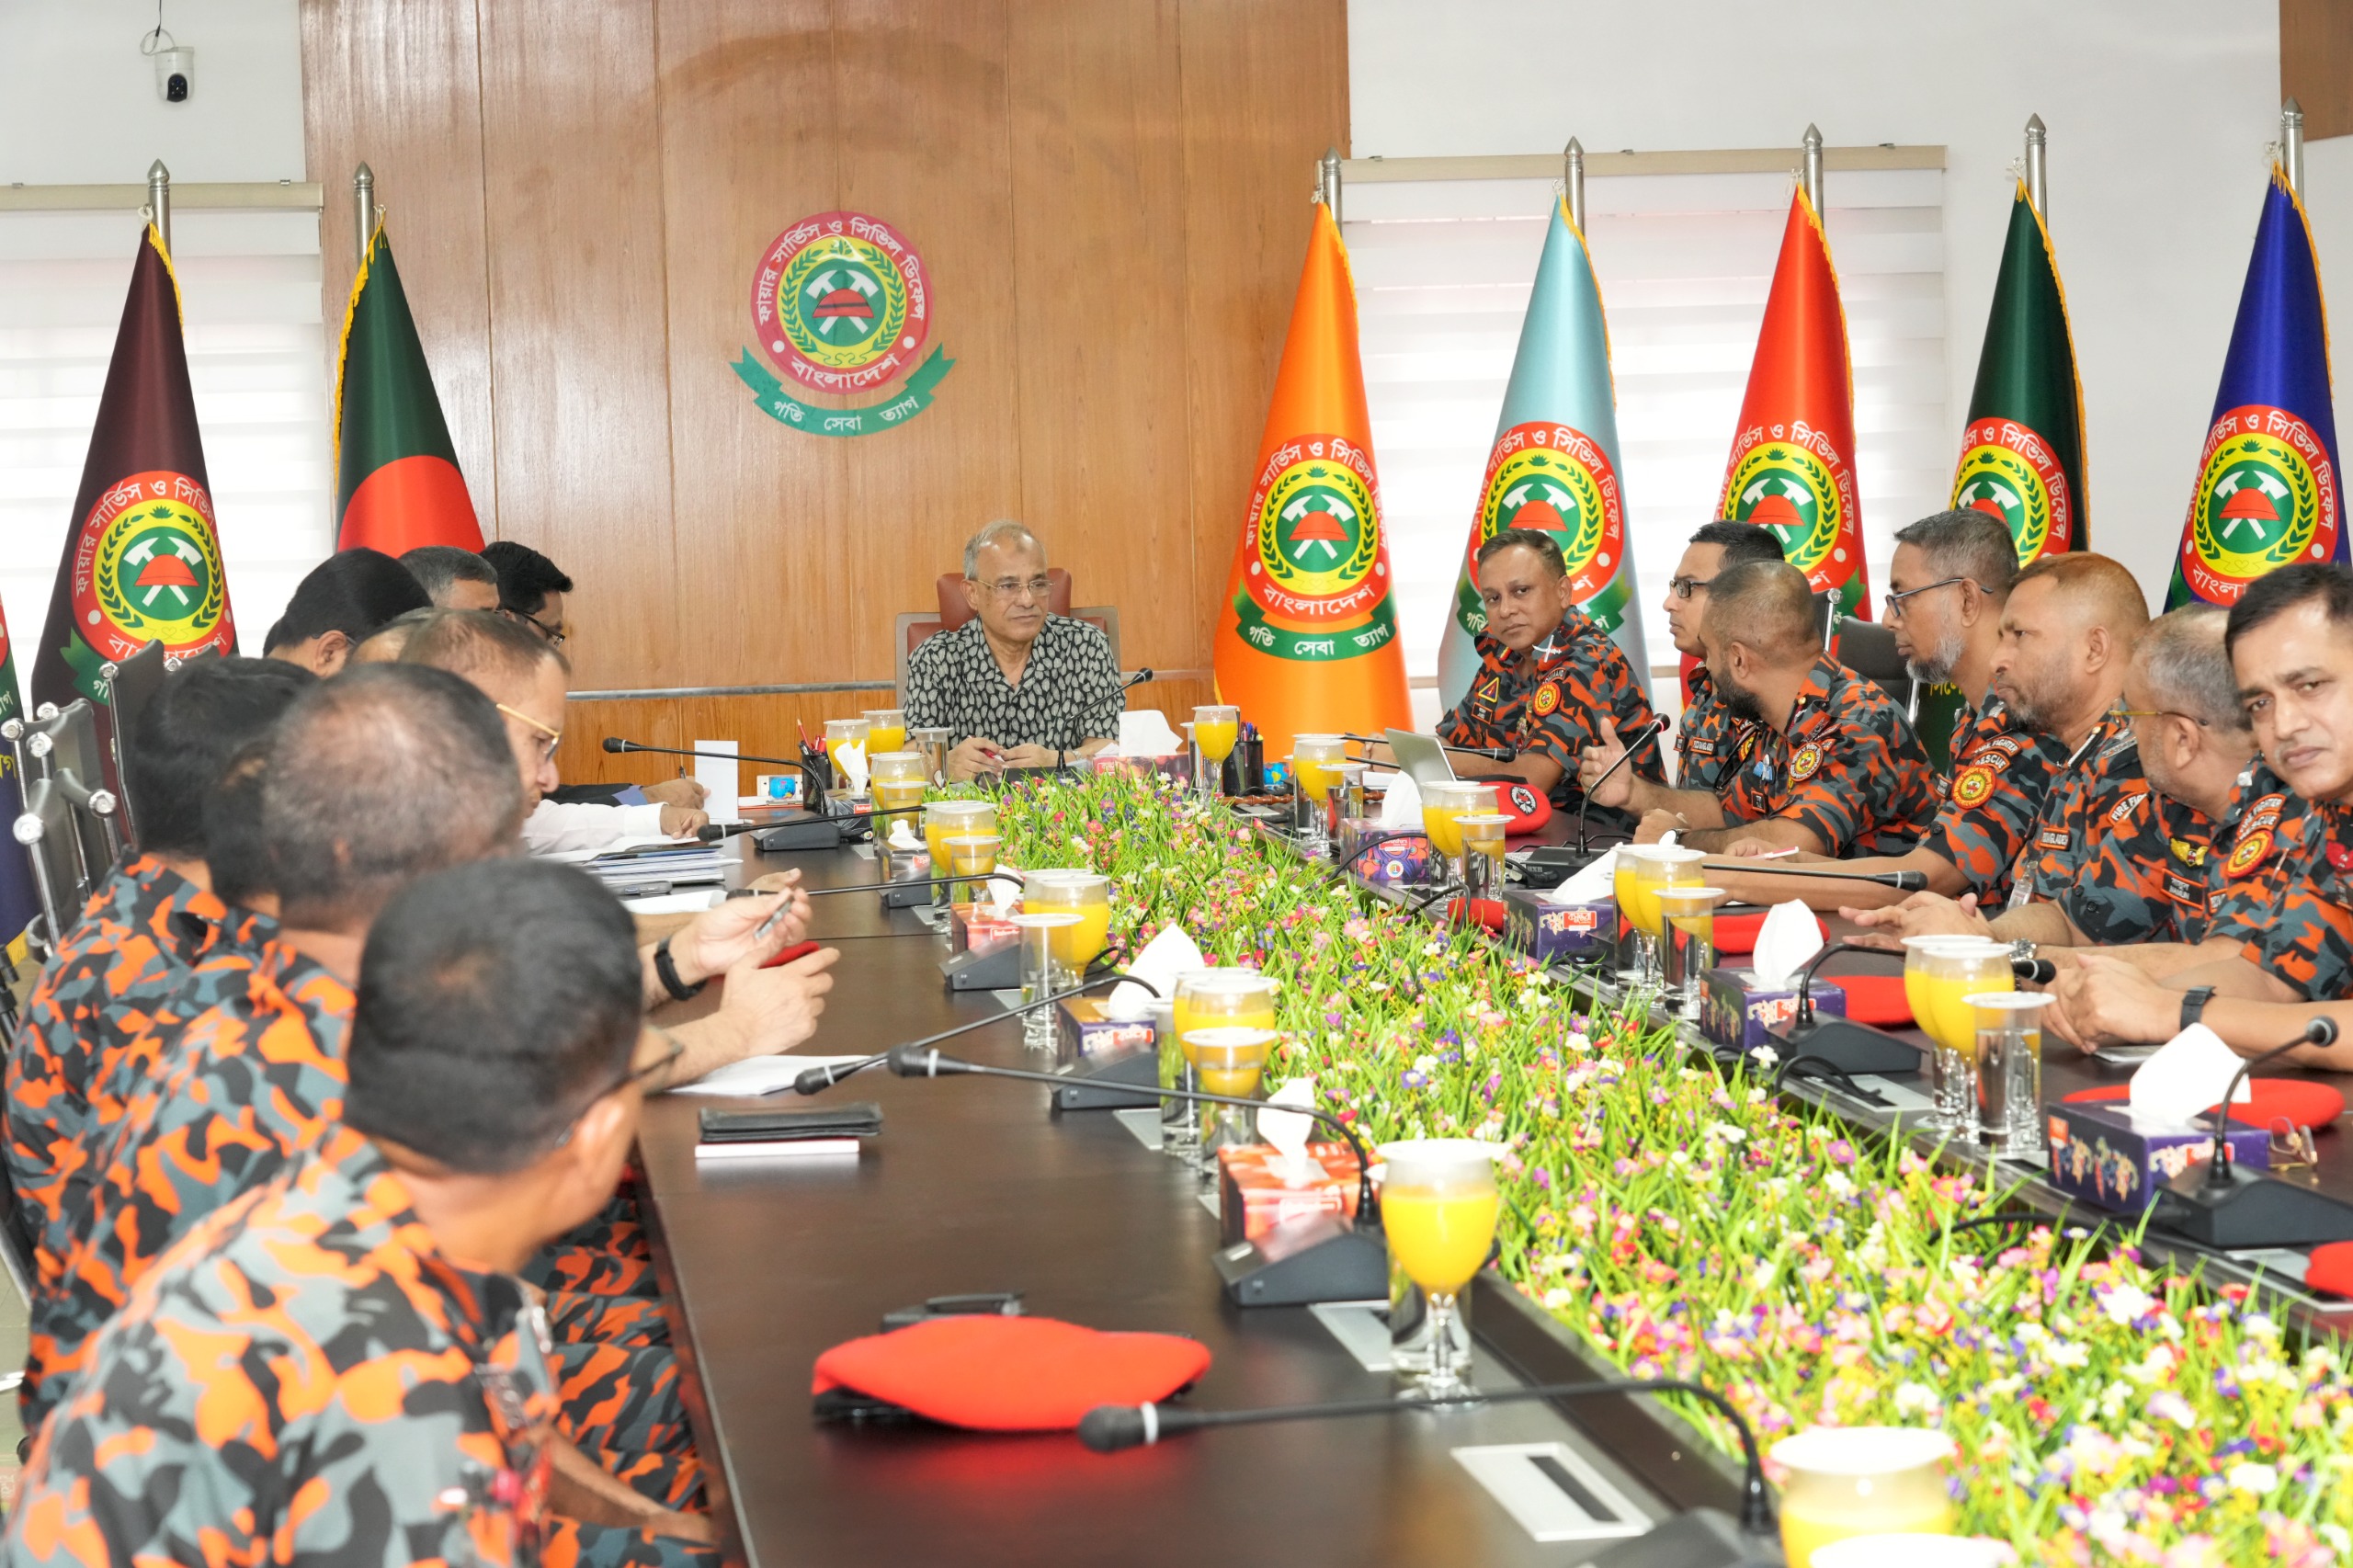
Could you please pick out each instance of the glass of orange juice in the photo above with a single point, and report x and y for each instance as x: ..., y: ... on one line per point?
x: 1044, y: 938
x: 1228, y: 1061
x: 1217, y: 729
x: 1438, y: 1208
x: 1483, y: 855
x: 1083, y: 894
x: 1843, y: 1482
x: 897, y: 781
x: 945, y: 819
x: 1444, y: 800
x: 1315, y: 764
x: 1219, y: 998
x: 886, y: 729
x: 1951, y: 973
x: 1664, y: 865
x: 841, y: 734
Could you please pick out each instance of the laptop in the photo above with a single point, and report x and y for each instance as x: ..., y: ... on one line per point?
x: 1419, y: 757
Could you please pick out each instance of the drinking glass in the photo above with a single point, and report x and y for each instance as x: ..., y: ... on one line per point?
x: 1180, y: 1123
x: 1483, y: 855
x: 1227, y: 1060
x: 2009, y: 1072
x: 1315, y: 762
x: 970, y: 856
x: 1852, y: 1480
x: 1948, y: 1069
x: 1688, y: 934
x: 886, y: 730
x: 1442, y: 803
x: 1667, y: 865
x: 1219, y: 998
x: 840, y: 732
x: 933, y: 745
x: 1083, y: 894
x: 897, y: 781
x: 1216, y: 729
x: 1625, y: 870
x: 1344, y: 799
x: 945, y: 819
x: 1951, y: 972
x: 1438, y: 1208
x: 1043, y: 972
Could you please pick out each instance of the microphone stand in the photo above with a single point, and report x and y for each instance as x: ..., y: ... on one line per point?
x: 1110, y: 1428
x: 1315, y: 1259
x: 2230, y: 1208
x: 819, y: 1079
x: 1842, y: 1043
x: 618, y: 746
x: 1644, y: 737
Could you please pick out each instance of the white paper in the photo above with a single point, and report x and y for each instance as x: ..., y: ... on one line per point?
x: 1288, y: 1130
x: 1002, y: 892
x: 692, y: 901
x: 757, y: 1074
x: 1786, y: 943
x: 1401, y: 808
x: 851, y: 762
x: 721, y: 780
x: 1164, y: 958
x: 903, y: 836
x: 2188, y: 1073
x: 1145, y: 731
x: 1590, y: 884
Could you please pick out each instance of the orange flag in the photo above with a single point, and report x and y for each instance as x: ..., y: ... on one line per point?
x: 1793, y: 464
x: 1307, y: 640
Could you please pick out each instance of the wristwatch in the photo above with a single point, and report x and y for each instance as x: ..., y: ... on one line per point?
x: 2193, y: 1004
x: 2022, y: 950
x: 666, y: 969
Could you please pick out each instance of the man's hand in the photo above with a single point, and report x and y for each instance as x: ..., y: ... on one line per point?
x: 1922, y: 915
x: 1656, y: 825
x: 971, y: 758
x: 680, y: 820
x: 1598, y: 759
x: 719, y: 939
x: 770, y: 1010
x: 675, y: 792
x: 2103, y: 1001
x: 1029, y: 756
x: 1761, y: 849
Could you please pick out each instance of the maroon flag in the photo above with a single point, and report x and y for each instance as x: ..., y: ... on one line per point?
x: 142, y: 564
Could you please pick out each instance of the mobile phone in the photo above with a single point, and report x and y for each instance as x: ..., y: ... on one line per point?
x: 798, y: 951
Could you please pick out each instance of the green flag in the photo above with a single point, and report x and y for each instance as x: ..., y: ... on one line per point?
x: 397, y: 484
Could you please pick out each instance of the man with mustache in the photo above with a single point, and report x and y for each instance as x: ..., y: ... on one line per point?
x: 1709, y: 742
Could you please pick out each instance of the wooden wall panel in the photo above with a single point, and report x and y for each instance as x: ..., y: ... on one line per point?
x: 572, y: 187
x: 396, y: 86
x: 2316, y: 63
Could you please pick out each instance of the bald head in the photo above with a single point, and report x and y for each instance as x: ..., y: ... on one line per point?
x: 2182, y: 667
x: 488, y: 650
x: 2093, y: 591
x: 1766, y: 606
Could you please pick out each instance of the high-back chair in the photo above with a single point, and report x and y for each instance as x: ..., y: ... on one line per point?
x: 129, y: 686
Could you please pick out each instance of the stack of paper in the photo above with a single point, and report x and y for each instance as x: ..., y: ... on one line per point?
x: 679, y: 865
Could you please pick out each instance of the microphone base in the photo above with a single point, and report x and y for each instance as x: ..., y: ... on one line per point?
x: 811, y: 832
x: 987, y: 969
x: 1316, y: 1259
x: 1851, y: 1047
x: 2254, y: 1211
x: 1698, y: 1538
x: 1126, y: 1081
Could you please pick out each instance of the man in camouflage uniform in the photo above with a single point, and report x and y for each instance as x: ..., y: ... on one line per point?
x: 340, y: 1364
x: 1709, y: 743
x: 125, y: 963
x: 2279, y: 950
x: 1835, y: 767
x: 1548, y: 677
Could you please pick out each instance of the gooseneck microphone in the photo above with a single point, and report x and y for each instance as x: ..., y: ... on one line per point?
x: 1136, y: 679
x: 941, y: 877
x: 1109, y: 1428
x: 1902, y: 881
x: 616, y: 745
x: 2320, y: 1031
x: 1492, y: 754
x: 819, y: 1079
x: 1643, y: 735
x: 919, y: 1061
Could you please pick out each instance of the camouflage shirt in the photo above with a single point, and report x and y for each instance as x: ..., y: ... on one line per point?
x: 2145, y: 880
x: 2104, y: 771
x: 118, y: 973
x: 1848, y: 767
x: 2001, y: 778
x: 1547, y: 709
x: 305, y: 1379
x: 1710, y: 745
x: 2281, y: 891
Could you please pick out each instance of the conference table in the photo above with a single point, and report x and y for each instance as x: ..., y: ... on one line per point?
x: 974, y: 1186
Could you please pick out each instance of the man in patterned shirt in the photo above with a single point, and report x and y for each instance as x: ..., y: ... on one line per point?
x: 1709, y: 743
x: 1835, y: 765
x: 340, y: 1365
x: 2280, y: 950
x: 2144, y: 880
x: 1015, y: 687
x: 151, y: 921
x: 1547, y: 676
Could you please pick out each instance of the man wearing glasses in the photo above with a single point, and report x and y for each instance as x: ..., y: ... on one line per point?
x: 1709, y: 743
x: 1015, y: 687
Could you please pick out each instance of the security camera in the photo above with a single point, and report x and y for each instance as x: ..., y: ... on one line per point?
x: 175, y: 73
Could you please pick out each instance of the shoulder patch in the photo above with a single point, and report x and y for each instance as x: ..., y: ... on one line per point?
x: 1547, y: 700
x: 1484, y: 693
x: 1995, y: 754
x: 2262, y: 812
x: 1804, y: 762
x: 2121, y: 812
x: 2248, y: 853
x: 1972, y: 784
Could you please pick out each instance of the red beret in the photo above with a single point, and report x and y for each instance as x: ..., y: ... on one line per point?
x: 1490, y: 912
x: 2300, y: 1102
x: 1521, y: 802
x: 1736, y: 934
x: 1875, y: 999
x: 1011, y: 1374
x: 2331, y: 1268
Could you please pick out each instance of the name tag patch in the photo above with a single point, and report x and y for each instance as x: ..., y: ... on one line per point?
x: 2051, y: 838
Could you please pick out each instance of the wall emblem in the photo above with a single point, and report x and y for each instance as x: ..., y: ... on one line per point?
x: 841, y: 304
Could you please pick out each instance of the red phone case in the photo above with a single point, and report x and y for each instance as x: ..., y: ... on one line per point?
x: 798, y: 951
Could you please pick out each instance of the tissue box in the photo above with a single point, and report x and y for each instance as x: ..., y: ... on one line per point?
x: 1253, y: 1197
x: 1082, y: 1031
x: 1739, y: 1014
x: 1399, y: 861
x: 1558, y: 933
x: 2102, y: 1154
x: 978, y: 927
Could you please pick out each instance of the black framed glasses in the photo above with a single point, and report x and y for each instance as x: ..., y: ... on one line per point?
x: 1894, y: 602
x: 1684, y: 587
x: 556, y: 635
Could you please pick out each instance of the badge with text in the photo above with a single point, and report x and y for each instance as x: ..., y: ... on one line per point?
x: 841, y: 304
x: 2267, y: 498
x: 148, y: 570
x: 2010, y: 473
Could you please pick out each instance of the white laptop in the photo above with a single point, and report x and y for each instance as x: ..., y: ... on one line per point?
x: 1419, y: 757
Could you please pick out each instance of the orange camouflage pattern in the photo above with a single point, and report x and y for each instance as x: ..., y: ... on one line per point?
x: 1993, y: 798
x: 1848, y: 767
x: 2279, y: 891
x: 1547, y: 709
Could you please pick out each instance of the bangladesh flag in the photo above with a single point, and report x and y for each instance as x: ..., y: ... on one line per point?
x: 142, y: 562
x: 396, y: 480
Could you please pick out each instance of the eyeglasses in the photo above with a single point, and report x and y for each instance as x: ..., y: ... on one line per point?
x: 2164, y: 713
x: 640, y: 1077
x: 1894, y: 602
x: 555, y: 737
x: 556, y: 635
x: 1013, y: 588
x: 1684, y: 587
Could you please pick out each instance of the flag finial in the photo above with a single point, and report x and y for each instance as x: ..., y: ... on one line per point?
x: 2036, y: 146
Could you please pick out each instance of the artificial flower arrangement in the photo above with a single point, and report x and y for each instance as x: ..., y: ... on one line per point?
x: 1686, y: 1223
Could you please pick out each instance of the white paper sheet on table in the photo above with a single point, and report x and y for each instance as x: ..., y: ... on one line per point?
x: 721, y: 779
x: 2188, y: 1073
x: 628, y: 841
x: 758, y: 1076
x: 694, y: 901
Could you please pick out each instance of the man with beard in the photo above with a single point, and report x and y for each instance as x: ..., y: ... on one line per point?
x: 1709, y: 742
x: 1835, y: 765
x: 2067, y: 633
x: 2280, y: 950
x: 2146, y: 877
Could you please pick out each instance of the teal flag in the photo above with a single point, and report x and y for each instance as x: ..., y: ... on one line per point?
x: 1555, y: 463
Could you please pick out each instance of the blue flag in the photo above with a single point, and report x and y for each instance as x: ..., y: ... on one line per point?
x: 1553, y: 465
x: 2267, y: 491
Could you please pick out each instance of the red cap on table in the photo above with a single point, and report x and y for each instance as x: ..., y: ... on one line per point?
x: 1010, y: 1374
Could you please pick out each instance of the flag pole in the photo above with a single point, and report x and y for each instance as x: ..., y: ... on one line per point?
x: 2291, y: 145
x: 159, y: 202
x: 1572, y: 178
x: 2036, y: 172
x: 363, y: 204
x: 1327, y: 185
x: 1813, y: 167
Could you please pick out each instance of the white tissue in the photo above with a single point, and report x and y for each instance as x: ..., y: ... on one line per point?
x: 1164, y: 958
x: 1590, y: 885
x: 903, y: 836
x: 851, y: 759
x: 1288, y: 1131
x: 1002, y: 894
x: 1785, y: 944
x: 1145, y: 731
x: 1401, y: 808
x: 2188, y: 1073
